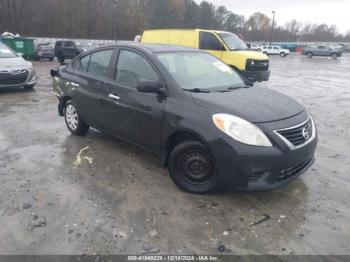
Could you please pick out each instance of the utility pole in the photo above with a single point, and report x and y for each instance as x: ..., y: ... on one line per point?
x: 273, y: 25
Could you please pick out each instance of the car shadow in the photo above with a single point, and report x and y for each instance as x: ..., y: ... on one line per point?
x: 14, y: 90
x: 131, y: 184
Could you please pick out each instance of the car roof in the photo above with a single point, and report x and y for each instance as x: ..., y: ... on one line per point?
x: 153, y: 48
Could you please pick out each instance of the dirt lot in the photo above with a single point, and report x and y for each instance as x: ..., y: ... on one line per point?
x: 124, y: 202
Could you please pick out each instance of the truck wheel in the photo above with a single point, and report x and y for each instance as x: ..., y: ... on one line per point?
x: 60, y: 58
x: 283, y: 54
x: 309, y: 55
x: 73, y: 121
x: 192, y: 168
x: 334, y: 55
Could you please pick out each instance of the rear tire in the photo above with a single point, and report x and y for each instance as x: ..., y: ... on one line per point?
x: 73, y: 121
x: 334, y: 56
x: 283, y: 54
x: 309, y: 55
x: 193, y: 169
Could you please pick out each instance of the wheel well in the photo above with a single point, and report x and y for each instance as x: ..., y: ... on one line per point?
x: 62, y: 103
x: 174, y: 140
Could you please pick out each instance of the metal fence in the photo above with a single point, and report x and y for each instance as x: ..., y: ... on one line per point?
x: 93, y: 42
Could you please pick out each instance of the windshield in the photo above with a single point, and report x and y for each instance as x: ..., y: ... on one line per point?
x: 233, y: 42
x: 196, y: 71
x: 5, y: 52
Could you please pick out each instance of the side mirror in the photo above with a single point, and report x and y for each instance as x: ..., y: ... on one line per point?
x: 148, y: 86
x: 53, y: 73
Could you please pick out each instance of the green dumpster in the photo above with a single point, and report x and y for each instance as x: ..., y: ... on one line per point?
x: 21, y: 45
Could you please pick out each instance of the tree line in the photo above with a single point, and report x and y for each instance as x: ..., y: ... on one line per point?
x: 124, y: 19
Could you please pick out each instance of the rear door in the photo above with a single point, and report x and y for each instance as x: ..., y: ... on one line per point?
x: 209, y: 42
x: 91, y: 85
x: 322, y: 51
x: 133, y: 115
x: 69, y: 49
x: 276, y: 50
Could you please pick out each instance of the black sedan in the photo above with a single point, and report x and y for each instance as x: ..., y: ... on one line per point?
x: 207, y: 125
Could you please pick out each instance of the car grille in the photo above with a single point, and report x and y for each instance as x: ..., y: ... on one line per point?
x: 259, y: 65
x: 13, y: 78
x: 299, y: 135
x: 294, y: 171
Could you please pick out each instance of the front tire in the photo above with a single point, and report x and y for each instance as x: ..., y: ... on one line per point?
x: 309, y: 55
x: 73, y: 121
x: 193, y: 169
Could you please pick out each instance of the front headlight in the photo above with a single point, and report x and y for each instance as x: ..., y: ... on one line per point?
x: 241, y: 130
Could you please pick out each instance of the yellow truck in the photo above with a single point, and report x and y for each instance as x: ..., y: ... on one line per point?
x: 226, y: 46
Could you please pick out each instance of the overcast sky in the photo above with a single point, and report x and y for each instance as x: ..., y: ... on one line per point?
x: 314, y: 11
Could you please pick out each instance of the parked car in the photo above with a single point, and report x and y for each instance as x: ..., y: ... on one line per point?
x: 322, y: 50
x: 255, y: 47
x: 14, y: 70
x: 66, y: 50
x: 196, y: 112
x: 226, y: 46
x: 44, y: 51
x: 275, y: 50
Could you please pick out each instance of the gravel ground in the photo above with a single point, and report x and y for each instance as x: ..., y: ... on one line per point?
x: 123, y: 202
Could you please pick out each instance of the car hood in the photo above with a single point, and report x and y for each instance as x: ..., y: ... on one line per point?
x: 17, y: 62
x: 255, y: 104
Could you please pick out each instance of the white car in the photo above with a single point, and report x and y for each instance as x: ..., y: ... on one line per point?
x: 275, y: 50
x: 256, y: 47
x: 14, y: 70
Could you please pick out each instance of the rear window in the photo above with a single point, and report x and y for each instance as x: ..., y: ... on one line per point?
x: 99, y: 63
x: 84, y: 63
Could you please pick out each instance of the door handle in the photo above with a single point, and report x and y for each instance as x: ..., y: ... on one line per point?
x: 114, y: 97
x: 75, y: 84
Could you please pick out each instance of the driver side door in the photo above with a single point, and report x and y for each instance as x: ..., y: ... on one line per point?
x: 135, y: 116
x: 209, y: 42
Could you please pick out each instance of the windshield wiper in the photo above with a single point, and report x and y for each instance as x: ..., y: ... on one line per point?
x: 197, y: 90
x: 233, y: 88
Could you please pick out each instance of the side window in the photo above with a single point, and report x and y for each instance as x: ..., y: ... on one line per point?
x: 208, y: 41
x: 68, y: 44
x: 84, y: 63
x: 99, y: 63
x: 132, y: 67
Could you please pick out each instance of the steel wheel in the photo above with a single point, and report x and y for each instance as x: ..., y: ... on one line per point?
x: 192, y: 168
x: 195, y: 166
